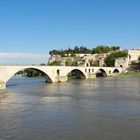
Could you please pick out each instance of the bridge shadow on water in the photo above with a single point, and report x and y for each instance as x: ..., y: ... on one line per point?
x: 25, y: 81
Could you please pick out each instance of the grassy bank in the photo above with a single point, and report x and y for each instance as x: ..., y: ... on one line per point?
x: 129, y: 74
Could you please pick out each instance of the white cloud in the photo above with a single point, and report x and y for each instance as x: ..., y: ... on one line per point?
x: 23, y: 58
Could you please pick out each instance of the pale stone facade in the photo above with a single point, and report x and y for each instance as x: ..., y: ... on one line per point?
x: 122, y: 62
x: 134, y: 54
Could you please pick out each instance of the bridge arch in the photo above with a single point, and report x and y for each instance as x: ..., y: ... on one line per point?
x: 15, y: 71
x: 116, y: 71
x: 76, y: 74
x: 101, y: 73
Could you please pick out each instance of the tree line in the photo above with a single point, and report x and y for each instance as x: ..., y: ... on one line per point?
x: 85, y: 50
x: 114, y: 53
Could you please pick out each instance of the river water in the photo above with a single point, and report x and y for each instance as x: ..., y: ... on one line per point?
x: 98, y: 109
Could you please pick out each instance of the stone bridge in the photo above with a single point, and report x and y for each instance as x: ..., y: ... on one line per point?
x: 56, y: 73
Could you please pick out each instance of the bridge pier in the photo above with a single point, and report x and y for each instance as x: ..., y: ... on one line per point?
x: 61, y: 79
x: 2, y: 84
x: 91, y: 76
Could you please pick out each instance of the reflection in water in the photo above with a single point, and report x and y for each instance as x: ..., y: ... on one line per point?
x: 99, y: 109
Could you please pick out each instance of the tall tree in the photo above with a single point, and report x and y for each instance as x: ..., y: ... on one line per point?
x: 110, y: 59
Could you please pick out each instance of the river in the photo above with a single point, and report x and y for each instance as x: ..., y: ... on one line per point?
x: 98, y: 109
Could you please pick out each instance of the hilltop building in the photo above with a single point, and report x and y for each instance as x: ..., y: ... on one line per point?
x: 124, y: 62
x: 134, y: 54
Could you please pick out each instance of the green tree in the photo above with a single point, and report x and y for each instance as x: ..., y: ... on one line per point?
x: 94, y: 63
x: 69, y: 61
x: 53, y: 52
x: 110, y: 59
x: 42, y: 64
x: 139, y: 58
x: 54, y: 63
x: 75, y: 61
x: 115, y: 48
x: 84, y: 49
x: 102, y: 49
x: 93, y: 51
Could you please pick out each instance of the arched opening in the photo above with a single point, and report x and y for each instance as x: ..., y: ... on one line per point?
x: 29, y: 77
x: 101, y: 73
x: 30, y: 72
x: 116, y: 71
x: 89, y: 70
x: 76, y: 74
x: 58, y: 72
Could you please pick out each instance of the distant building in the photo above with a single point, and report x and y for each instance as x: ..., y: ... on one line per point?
x: 134, y: 54
x: 122, y: 62
x: 125, y: 62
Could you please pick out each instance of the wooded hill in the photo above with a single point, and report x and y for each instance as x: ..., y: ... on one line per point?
x: 85, y: 50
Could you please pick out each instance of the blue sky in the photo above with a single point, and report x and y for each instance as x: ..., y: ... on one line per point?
x: 38, y: 26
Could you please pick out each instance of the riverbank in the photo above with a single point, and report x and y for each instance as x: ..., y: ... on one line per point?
x: 129, y: 74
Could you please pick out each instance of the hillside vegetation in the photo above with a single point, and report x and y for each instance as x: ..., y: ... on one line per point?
x: 84, y: 50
